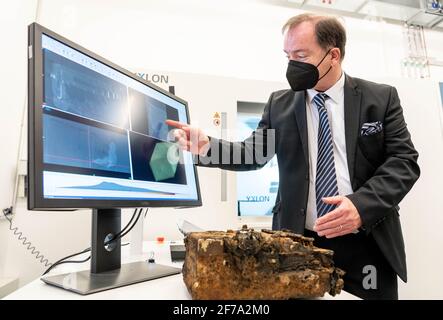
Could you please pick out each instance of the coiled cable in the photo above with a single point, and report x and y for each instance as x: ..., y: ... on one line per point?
x: 24, y: 240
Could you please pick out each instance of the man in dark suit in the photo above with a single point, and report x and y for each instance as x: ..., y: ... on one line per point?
x: 345, y: 157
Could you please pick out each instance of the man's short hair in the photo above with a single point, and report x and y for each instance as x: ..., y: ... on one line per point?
x: 329, y: 31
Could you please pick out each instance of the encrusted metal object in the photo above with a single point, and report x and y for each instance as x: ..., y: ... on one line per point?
x: 248, y: 264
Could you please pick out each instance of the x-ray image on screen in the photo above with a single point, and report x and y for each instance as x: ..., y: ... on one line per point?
x: 74, y: 88
x: 156, y: 122
x: 148, y: 115
x: 90, y: 149
x: 154, y: 160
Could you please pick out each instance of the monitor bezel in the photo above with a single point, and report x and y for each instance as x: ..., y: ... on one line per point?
x: 36, y: 200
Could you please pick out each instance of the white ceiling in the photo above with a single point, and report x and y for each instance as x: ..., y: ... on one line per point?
x: 415, y: 12
x: 342, y: 5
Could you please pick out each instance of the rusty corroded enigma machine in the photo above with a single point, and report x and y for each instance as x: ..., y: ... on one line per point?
x: 248, y: 264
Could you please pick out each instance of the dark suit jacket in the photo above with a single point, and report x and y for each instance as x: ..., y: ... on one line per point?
x: 383, y: 166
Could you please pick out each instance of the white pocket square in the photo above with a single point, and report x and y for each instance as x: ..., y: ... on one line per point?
x: 370, y: 128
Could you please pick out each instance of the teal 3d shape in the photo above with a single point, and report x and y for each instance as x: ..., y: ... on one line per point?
x: 164, y: 160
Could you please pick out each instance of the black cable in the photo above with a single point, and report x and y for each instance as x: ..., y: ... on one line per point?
x: 117, y: 236
x: 132, y: 227
x: 62, y: 260
x: 75, y: 261
x: 87, y: 259
x: 122, y: 233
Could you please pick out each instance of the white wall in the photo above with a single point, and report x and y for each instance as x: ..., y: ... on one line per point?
x: 14, y: 17
x: 423, y: 221
x: 236, y: 39
x: 421, y: 210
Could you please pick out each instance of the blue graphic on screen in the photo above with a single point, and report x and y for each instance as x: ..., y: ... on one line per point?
x: 79, y: 90
x: 256, y: 190
x: 104, y: 133
x: 89, y: 148
x: 116, y: 187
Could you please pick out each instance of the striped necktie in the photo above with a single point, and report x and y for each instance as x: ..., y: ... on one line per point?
x: 326, y: 179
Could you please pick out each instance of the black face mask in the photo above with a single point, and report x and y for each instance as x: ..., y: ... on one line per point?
x: 302, y: 75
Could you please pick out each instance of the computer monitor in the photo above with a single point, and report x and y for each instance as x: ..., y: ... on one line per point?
x: 97, y: 138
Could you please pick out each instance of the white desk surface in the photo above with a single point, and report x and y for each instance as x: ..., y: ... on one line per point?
x: 167, y: 288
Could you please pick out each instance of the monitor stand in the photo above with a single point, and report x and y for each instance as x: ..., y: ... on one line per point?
x: 107, y: 272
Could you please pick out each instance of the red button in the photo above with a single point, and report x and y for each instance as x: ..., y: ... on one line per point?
x: 160, y: 239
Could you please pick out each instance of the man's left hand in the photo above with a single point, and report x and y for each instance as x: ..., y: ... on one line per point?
x: 342, y: 220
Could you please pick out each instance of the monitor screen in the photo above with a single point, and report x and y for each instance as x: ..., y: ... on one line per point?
x: 100, y: 136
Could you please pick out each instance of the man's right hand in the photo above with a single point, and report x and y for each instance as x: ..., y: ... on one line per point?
x: 189, y: 138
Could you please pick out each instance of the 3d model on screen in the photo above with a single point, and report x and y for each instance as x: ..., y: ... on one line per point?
x: 164, y: 160
x: 248, y: 264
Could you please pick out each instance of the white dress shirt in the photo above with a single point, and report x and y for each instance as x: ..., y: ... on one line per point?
x: 336, y: 114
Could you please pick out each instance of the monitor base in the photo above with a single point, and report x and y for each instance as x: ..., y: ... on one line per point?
x: 85, y: 282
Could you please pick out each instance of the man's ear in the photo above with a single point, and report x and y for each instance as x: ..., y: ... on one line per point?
x: 336, y: 55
